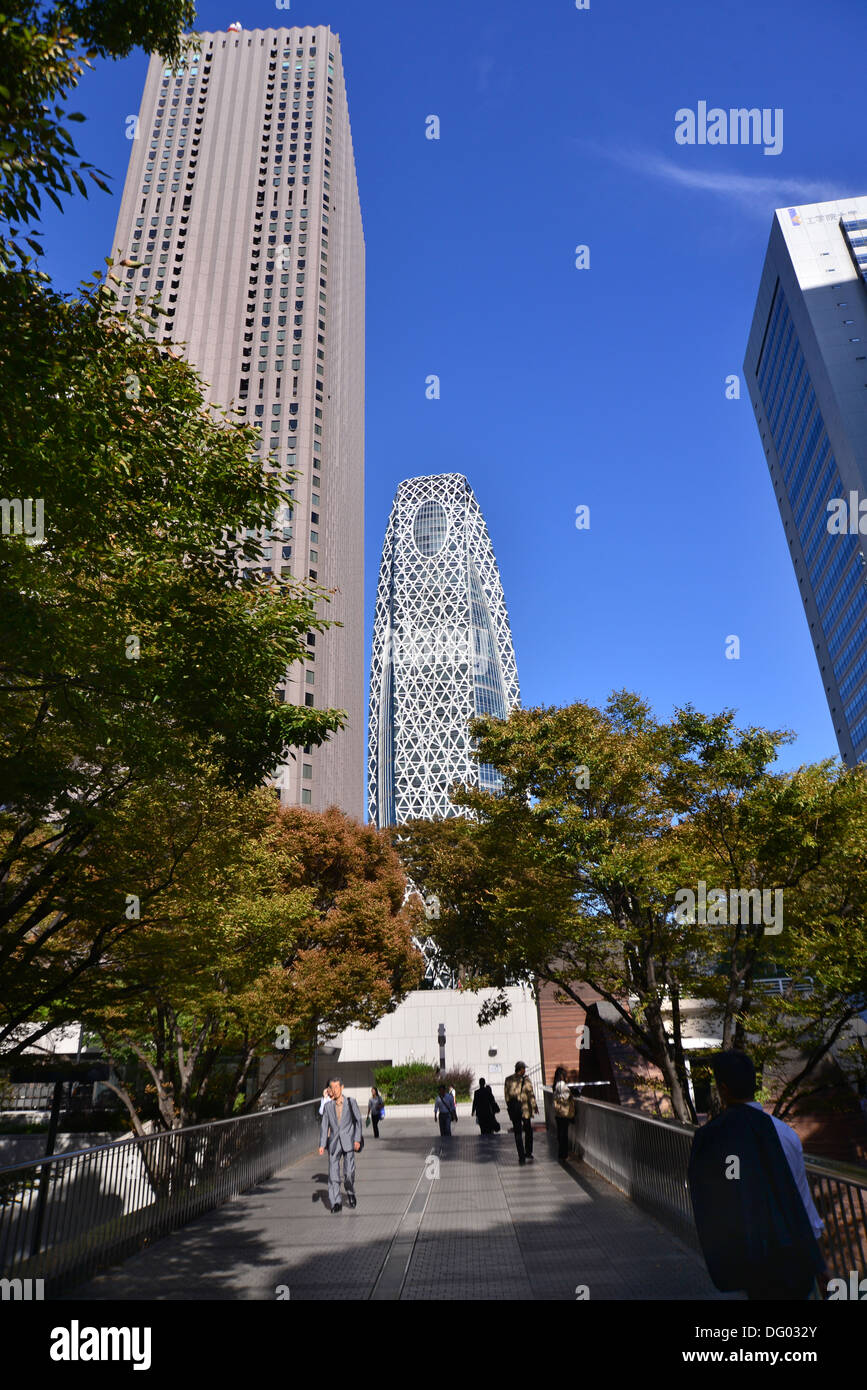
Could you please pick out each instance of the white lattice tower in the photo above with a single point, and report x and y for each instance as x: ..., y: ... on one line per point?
x: 442, y: 651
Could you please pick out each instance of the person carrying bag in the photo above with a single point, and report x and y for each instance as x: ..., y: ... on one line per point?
x: 521, y: 1107
x: 375, y: 1111
x: 564, y: 1113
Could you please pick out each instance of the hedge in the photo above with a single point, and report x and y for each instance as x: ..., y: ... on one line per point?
x: 414, y: 1083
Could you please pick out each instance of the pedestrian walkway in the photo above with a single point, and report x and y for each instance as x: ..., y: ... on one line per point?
x: 436, y: 1219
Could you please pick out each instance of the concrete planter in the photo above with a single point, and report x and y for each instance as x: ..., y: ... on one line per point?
x: 416, y: 1112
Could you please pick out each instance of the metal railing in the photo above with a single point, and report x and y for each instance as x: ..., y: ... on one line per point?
x: 647, y: 1159
x: 38, y: 1095
x: 65, y: 1217
x: 840, y: 1194
x: 782, y: 984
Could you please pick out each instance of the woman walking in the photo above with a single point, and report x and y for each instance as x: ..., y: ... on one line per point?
x: 445, y: 1111
x: 375, y: 1110
x: 485, y: 1109
x: 564, y: 1113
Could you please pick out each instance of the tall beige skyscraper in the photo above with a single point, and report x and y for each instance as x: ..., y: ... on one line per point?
x: 241, y: 199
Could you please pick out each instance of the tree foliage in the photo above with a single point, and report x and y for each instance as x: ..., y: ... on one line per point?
x: 44, y: 50
x: 143, y: 662
x: 281, y: 922
x: 129, y: 643
x: 573, y: 874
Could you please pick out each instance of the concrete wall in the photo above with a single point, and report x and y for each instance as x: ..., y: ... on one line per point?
x: 410, y: 1034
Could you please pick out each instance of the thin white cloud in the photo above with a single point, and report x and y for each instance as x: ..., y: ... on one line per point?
x: 756, y: 192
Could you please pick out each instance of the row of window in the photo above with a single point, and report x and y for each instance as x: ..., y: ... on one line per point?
x: 853, y: 614
x: 847, y: 547
x: 850, y: 582
x: 804, y: 454
x: 819, y: 507
x: 279, y: 149
x: 855, y: 706
x: 858, y: 669
x: 145, y: 274
x: 265, y: 332
x: 859, y: 735
x: 772, y: 344
x: 782, y: 374
x: 287, y: 52
x: 857, y: 245
x: 147, y: 188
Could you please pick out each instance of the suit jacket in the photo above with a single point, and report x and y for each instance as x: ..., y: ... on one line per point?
x: 520, y: 1088
x: 751, y: 1220
x: 348, y: 1132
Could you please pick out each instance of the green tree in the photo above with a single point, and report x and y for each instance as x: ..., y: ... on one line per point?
x: 799, y: 838
x: 585, y: 856
x: 141, y: 657
x: 574, y: 873
x: 135, y: 641
x: 811, y: 826
x: 280, y: 921
x: 44, y: 50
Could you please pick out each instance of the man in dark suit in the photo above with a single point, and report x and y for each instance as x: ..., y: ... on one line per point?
x: 340, y: 1133
x: 755, y: 1217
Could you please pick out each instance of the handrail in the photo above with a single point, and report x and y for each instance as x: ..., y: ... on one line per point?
x: 647, y: 1159
x: 624, y: 1110
x: 158, y: 1134
x: 66, y: 1216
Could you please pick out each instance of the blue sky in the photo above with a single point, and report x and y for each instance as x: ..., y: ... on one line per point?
x: 559, y: 387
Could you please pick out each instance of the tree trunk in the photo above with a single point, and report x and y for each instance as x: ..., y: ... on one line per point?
x: 677, y: 1039
x: 665, y: 1062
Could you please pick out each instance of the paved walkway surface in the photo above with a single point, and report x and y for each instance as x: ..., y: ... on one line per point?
x: 436, y: 1219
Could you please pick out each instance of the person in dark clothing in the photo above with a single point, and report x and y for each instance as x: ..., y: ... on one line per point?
x: 754, y: 1214
x: 564, y: 1113
x: 521, y: 1107
x: 485, y: 1109
x: 375, y: 1107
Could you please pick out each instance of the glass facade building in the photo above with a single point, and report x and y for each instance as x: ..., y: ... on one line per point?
x: 806, y: 371
x: 442, y: 651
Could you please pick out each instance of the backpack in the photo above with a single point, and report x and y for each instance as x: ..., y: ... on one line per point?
x: 515, y: 1105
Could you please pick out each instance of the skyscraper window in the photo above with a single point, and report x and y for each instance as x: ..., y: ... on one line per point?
x: 223, y: 255
x: 804, y: 383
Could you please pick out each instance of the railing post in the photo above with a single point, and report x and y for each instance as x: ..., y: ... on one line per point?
x: 45, y: 1175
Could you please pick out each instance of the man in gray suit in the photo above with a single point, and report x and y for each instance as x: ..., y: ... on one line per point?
x: 340, y: 1134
